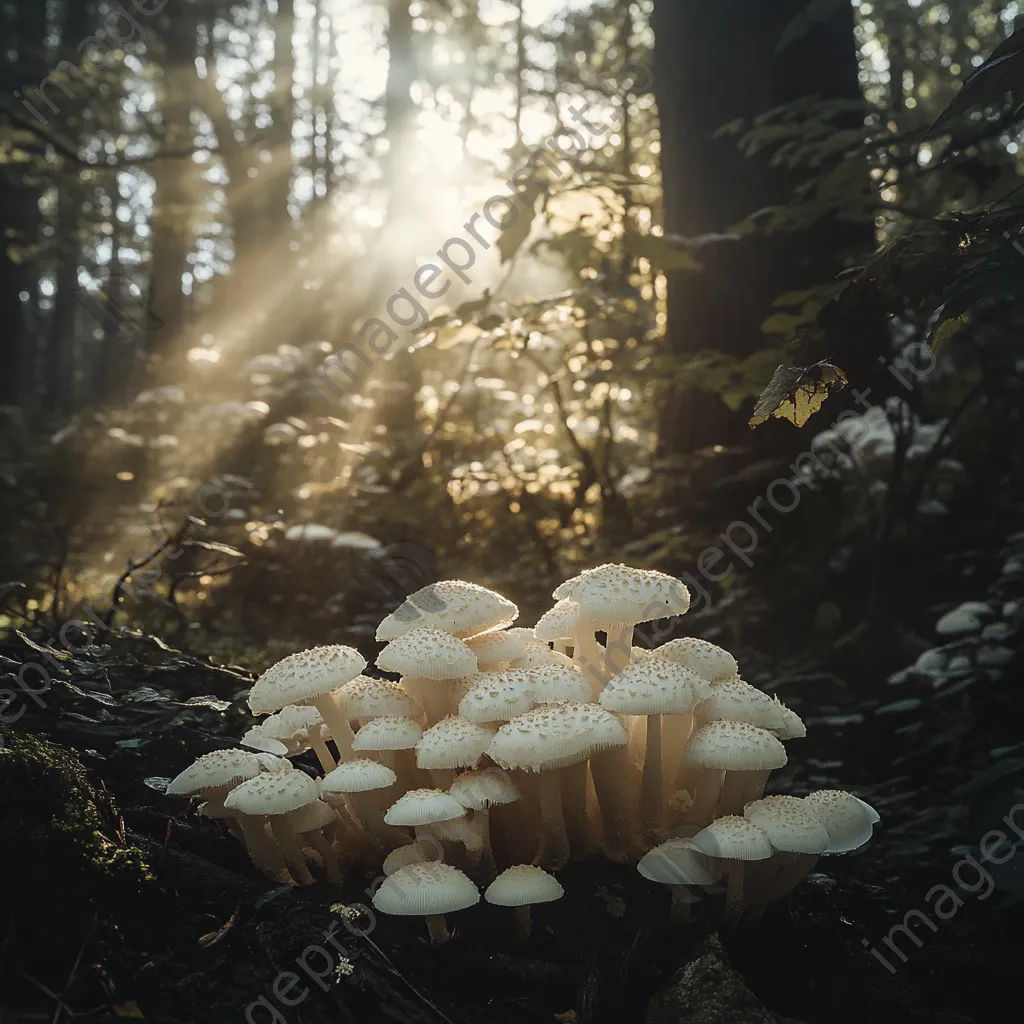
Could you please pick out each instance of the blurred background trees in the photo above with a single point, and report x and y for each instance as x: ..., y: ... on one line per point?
x: 203, y: 200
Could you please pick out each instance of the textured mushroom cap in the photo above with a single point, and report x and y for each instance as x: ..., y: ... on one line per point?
x: 558, y: 623
x: 526, y: 635
x: 537, y: 657
x: 651, y: 687
x: 618, y: 593
x: 734, y: 747
x: 314, y: 815
x: 848, y: 819
x: 257, y: 738
x: 479, y: 790
x: 558, y: 684
x: 737, y: 701
x: 676, y: 862
x: 522, y: 885
x: 498, y: 696
x: 792, y: 727
x: 366, y: 697
x: 453, y: 742
x: 424, y: 890
x: 292, y: 726
x: 700, y: 656
x: 423, y: 807
x: 733, y: 838
x: 789, y: 823
x: 273, y: 793
x: 459, y: 608
x: 493, y: 648
x: 428, y: 653
x: 422, y: 851
x: 304, y: 676
x: 271, y: 762
x: 220, y: 768
x: 359, y: 776
x: 556, y: 735
x: 388, y: 733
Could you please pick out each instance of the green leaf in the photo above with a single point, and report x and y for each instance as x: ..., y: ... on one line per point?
x: 782, y: 323
x: 945, y: 330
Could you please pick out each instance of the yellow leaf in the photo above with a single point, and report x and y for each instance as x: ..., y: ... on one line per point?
x: 947, y: 329
x: 796, y: 393
x: 129, y: 1009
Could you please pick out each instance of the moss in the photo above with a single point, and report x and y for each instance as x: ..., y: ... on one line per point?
x: 57, y: 827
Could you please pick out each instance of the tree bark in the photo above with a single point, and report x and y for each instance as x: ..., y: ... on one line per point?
x: 715, y: 63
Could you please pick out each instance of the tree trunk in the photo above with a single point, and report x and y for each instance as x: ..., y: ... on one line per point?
x: 714, y: 63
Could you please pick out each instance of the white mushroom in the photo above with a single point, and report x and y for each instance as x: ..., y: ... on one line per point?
x: 520, y: 887
x: 428, y: 890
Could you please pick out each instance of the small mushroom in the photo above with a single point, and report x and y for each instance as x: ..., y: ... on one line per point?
x: 428, y: 890
x: 677, y: 864
x: 849, y: 819
x: 733, y: 842
x: 459, y: 608
x: 361, y: 782
x: 520, y: 887
x: 479, y: 791
x: 394, y: 740
x: 452, y: 743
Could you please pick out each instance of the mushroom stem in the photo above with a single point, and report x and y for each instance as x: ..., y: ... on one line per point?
x: 739, y: 789
x: 323, y: 754
x: 733, y: 870
x: 523, y: 921
x: 554, y: 841
x: 336, y: 722
x: 704, y: 784
x: 482, y: 821
x: 610, y: 770
x: 574, y: 804
x: 262, y: 850
x: 438, y: 928
x: 675, y: 737
x: 561, y: 645
x: 406, y: 770
x: 284, y: 833
x: 618, y: 648
x: 792, y: 870
x: 433, y: 695
x: 331, y: 863
x: 367, y: 807
x: 650, y: 784
x: 588, y: 657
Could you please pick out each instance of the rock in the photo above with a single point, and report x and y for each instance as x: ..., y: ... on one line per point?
x: 708, y: 991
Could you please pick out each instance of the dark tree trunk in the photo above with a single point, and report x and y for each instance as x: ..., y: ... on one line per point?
x: 716, y: 62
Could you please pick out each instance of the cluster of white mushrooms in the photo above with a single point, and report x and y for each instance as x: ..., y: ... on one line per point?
x: 521, y: 749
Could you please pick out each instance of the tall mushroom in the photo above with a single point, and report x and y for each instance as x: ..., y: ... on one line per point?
x: 430, y: 891
x: 361, y: 782
x: 427, y: 659
x: 275, y: 796
x: 311, y: 677
x: 651, y: 688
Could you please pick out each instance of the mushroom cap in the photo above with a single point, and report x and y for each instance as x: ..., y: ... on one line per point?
x: 792, y: 727
x: 848, y: 819
x: 454, y: 742
x: 388, y: 733
x: 651, y: 687
x: 676, y: 862
x: 737, y: 701
x: 418, y: 852
x: 313, y: 815
x: 423, y: 807
x: 219, y: 768
x: 556, y: 735
x: 359, y: 776
x: 523, y: 885
x: 618, y: 593
x: 497, y: 696
x: 733, y: 838
x: 537, y: 657
x: 494, y: 648
x: 257, y: 738
x: 701, y: 656
x: 559, y: 622
x: 304, y: 676
x: 559, y: 684
x: 734, y: 747
x: 271, y: 762
x: 428, y: 653
x: 273, y: 793
x: 366, y: 697
x: 459, y: 608
x: 480, y: 790
x: 527, y: 636
x: 424, y: 890
x: 789, y: 823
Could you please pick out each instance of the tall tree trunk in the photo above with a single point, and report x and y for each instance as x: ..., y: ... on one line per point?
x: 716, y: 62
